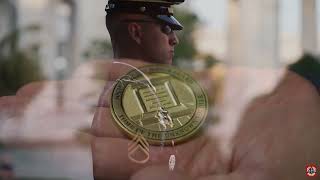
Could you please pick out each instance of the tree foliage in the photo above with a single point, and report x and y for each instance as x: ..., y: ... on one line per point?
x: 98, y: 49
x: 17, y: 66
x: 186, y: 51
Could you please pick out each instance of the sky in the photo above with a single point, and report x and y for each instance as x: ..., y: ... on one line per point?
x: 215, y: 16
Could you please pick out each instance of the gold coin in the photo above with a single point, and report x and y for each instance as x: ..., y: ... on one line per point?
x: 162, y: 103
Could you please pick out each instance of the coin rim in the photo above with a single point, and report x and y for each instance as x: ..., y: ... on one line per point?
x: 196, y: 130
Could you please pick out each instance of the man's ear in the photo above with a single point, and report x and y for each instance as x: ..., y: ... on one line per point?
x: 135, y: 32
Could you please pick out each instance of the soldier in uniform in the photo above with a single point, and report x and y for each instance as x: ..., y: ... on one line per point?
x: 143, y: 30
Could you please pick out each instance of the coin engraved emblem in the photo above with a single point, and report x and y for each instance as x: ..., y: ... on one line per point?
x: 164, y: 118
x: 162, y: 103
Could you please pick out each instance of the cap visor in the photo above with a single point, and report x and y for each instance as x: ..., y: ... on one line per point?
x: 171, y: 21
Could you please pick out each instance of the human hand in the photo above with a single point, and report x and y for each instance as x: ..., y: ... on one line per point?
x: 275, y: 140
x: 197, y: 157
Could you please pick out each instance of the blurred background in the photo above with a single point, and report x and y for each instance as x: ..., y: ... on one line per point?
x: 46, y: 40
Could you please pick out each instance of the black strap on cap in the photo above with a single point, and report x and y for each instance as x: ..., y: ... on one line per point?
x: 160, y: 10
x: 152, y: 9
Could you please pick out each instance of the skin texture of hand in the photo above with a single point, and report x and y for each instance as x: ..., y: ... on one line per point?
x: 275, y: 140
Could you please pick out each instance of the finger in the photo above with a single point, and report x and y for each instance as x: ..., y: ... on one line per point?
x: 103, y: 124
x: 86, y: 91
x: 105, y: 96
x: 95, y: 69
x: 11, y: 106
x: 32, y: 89
x: 159, y: 173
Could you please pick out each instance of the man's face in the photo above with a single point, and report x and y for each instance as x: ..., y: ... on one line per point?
x: 158, y: 42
